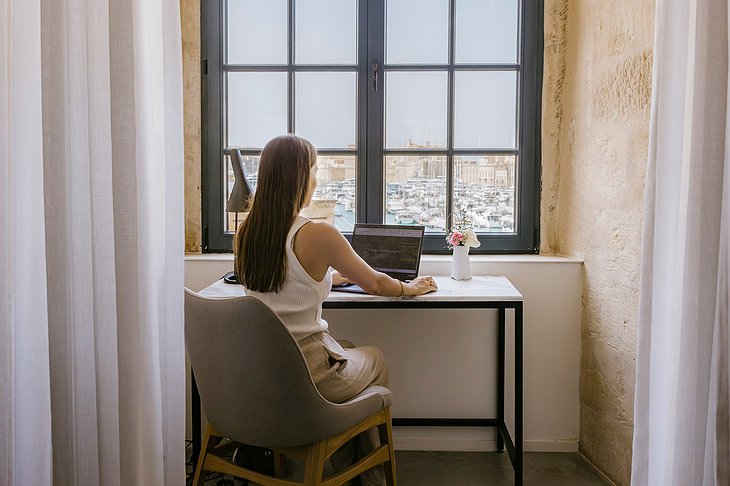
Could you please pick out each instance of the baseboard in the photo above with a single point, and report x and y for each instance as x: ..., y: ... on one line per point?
x: 567, y: 445
x: 468, y: 440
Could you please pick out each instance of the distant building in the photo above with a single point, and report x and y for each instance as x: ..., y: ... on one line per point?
x: 336, y: 168
x: 490, y: 171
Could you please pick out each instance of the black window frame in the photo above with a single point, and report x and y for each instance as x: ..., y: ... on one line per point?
x: 370, y: 150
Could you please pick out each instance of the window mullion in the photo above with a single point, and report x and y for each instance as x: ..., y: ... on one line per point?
x: 374, y: 181
x: 450, y: 118
x: 361, y: 194
x: 531, y: 49
x: 212, y: 99
x: 290, y: 68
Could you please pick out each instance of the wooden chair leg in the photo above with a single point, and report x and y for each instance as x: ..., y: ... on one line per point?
x: 200, y: 473
x: 314, y: 465
x: 279, y: 464
x: 386, y: 437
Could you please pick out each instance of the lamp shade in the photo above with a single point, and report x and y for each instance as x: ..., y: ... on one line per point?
x: 242, y: 190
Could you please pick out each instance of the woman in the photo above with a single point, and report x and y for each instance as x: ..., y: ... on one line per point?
x: 284, y: 260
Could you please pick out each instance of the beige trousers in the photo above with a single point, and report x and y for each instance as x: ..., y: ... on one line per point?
x: 340, y: 371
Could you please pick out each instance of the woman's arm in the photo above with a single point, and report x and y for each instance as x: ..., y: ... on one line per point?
x: 319, y: 246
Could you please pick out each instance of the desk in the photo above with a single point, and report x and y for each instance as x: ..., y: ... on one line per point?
x: 477, y: 293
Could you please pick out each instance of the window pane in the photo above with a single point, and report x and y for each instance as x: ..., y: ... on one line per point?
x: 326, y: 32
x: 484, y: 189
x: 485, y: 109
x: 415, y: 109
x: 486, y: 31
x: 257, y: 109
x: 415, y: 191
x: 250, y: 169
x: 334, y: 198
x: 417, y: 31
x: 257, y: 32
x: 325, y: 108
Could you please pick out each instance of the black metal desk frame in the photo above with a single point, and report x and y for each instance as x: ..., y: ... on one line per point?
x: 514, y: 445
x: 504, y: 440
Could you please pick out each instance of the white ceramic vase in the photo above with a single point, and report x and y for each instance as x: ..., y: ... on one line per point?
x: 460, y: 267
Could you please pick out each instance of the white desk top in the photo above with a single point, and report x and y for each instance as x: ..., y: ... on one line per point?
x: 478, y: 289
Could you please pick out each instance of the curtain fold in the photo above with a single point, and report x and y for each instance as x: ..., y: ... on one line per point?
x: 90, y: 288
x: 25, y: 402
x: 682, y: 355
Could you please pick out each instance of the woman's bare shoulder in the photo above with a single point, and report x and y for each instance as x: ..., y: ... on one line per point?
x: 320, y: 233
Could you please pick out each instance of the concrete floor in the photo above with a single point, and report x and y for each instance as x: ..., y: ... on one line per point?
x: 416, y: 468
x: 480, y: 468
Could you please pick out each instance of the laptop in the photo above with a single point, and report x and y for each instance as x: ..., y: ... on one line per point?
x: 389, y: 248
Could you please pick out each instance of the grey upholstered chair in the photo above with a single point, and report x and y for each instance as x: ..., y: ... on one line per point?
x: 256, y: 389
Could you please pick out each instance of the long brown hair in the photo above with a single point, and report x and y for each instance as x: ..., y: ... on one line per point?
x: 281, y: 192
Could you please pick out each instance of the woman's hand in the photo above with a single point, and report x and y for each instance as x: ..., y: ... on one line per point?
x: 420, y: 286
x: 338, y: 280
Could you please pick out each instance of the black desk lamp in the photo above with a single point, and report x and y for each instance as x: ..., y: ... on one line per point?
x: 238, y: 201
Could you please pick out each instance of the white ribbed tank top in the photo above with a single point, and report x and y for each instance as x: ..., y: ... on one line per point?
x: 299, y: 302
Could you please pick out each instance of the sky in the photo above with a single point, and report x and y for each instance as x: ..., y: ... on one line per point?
x: 416, y: 102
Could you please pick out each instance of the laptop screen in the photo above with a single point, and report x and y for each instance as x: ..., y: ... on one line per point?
x: 392, y: 249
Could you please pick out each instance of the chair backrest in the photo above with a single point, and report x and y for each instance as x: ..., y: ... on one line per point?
x: 254, y: 383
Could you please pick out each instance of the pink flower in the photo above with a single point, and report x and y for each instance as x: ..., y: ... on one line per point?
x: 456, y: 238
x: 462, y: 234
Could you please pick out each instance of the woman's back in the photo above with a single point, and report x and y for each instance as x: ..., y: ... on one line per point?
x: 299, y: 301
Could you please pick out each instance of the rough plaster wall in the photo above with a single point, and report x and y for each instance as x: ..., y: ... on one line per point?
x: 190, y: 14
x: 597, y: 85
x: 554, y: 67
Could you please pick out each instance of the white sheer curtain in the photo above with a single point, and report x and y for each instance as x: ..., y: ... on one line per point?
x: 91, y: 243
x: 681, y: 407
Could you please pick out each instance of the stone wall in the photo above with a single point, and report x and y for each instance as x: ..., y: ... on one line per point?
x: 190, y: 13
x: 596, y: 97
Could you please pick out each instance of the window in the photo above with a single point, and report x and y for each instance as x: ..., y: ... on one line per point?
x: 422, y: 111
